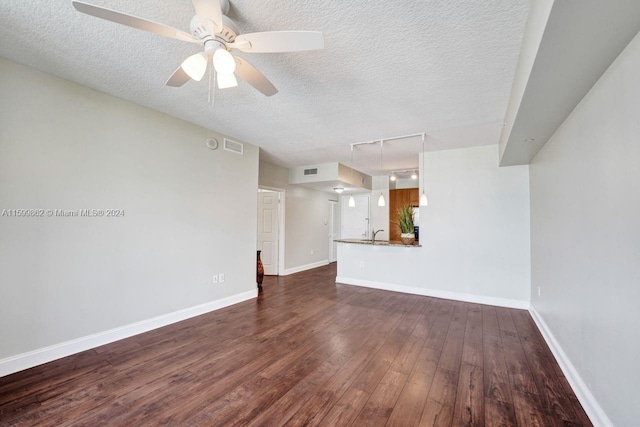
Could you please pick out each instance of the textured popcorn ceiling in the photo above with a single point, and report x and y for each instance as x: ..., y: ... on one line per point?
x: 389, y: 68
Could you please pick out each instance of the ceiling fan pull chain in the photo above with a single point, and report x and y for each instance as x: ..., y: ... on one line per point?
x: 212, y: 86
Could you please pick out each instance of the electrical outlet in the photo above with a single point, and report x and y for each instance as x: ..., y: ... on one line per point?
x: 215, y: 279
x: 361, y: 264
x: 538, y: 290
x: 221, y: 276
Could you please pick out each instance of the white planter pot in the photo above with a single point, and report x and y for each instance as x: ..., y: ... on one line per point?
x: 408, y: 238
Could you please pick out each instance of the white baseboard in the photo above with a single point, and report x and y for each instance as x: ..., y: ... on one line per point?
x: 458, y: 296
x: 588, y: 401
x: 37, y: 357
x: 305, y: 267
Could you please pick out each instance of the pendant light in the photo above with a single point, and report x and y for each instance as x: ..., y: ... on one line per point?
x: 381, y: 201
x: 423, y: 197
x: 352, y: 200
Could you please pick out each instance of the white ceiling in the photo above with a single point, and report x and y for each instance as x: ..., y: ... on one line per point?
x: 389, y: 68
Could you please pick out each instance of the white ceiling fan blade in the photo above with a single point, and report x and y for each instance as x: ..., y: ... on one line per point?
x: 210, y: 14
x: 178, y: 78
x: 133, y: 21
x: 280, y: 41
x: 255, y: 78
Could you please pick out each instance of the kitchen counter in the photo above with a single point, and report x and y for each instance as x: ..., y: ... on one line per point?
x: 378, y: 242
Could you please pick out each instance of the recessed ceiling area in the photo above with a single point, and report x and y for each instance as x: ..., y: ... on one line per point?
x: 566, y: 50
x: 388, y: 68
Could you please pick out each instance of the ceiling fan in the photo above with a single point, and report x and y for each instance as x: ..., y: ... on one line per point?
x: 218, y: 35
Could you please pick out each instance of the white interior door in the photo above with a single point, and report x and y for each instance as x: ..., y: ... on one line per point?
x: 354, y: 222
x: 268, y: 222
x: 334, y: 230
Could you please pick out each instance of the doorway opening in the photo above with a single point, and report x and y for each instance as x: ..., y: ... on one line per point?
x: 354, y: 221
x: 270, y: 239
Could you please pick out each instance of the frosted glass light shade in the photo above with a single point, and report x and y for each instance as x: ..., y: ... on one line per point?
x: 423, y: 200
x: 195, y: 66
x: 352, y: 202
x: 223, y: 62
x: 226, y: 80
x: 381, y: 201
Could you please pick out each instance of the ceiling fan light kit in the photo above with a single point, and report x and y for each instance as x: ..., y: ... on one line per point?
x: 218, y: 35
x: 226, y: 80
x: 223, y: 62
x: 195, y: 66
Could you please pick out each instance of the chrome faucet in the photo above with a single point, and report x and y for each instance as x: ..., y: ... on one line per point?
x: 373, y: 239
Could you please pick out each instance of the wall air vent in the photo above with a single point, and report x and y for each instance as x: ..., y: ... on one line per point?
x: 233, y: 146
x: 313, y: 171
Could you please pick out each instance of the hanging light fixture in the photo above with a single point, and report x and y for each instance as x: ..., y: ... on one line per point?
x: 393, y: 177
x: 338, y: 190
x: 414, y: 175
x: 352, y: 200
x: 381, y: 201
x: 423, y: 197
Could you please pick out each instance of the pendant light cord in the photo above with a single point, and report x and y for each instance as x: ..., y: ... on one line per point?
x: 381, y: 201
x: 423, y: 197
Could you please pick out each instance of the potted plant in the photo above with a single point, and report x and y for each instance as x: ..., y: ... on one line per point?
x: 405, y: 222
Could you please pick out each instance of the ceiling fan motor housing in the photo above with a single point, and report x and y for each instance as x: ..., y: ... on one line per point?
x: 228, y: 34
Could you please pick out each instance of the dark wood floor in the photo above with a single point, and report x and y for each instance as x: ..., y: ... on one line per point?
x: 309, y: 352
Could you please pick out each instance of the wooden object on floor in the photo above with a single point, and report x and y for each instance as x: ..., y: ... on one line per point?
x: 309, y: 352
x: 259, y: 272
x: 398, y: 198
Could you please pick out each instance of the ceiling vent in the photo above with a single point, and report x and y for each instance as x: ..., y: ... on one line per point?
x: 233, y: 146
x: 313, y: 171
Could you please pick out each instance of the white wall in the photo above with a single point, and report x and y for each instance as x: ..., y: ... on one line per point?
x: 306, y: 219
x: 65, y: 146
x: 474, y: 234
x: 585, y: 227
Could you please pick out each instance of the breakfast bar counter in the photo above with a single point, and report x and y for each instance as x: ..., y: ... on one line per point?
x: 377, y: 242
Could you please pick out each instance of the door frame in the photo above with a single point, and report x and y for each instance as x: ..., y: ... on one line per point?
x: 281, y: 230
x: 332, y: 220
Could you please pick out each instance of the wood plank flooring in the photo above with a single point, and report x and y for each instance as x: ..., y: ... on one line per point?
x: 309, y: 352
